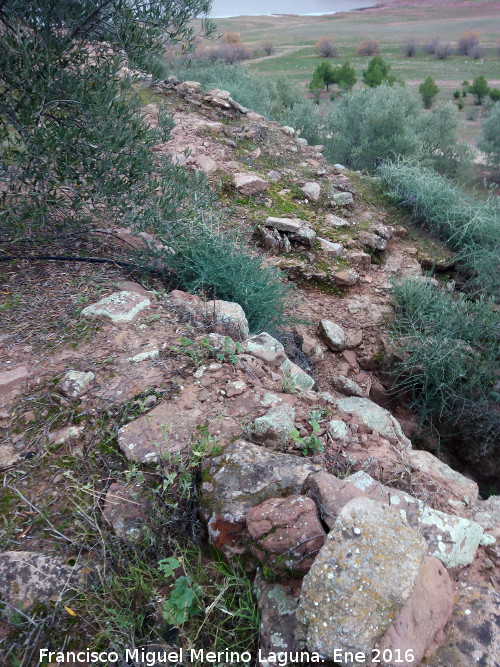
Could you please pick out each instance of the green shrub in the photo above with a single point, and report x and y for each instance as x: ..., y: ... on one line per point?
x: 428, y: 90
x: 466, y: 224
x: 489, y: 140
x: 495, y: 94
x: 450, y: 349
x: 479, y: 89
x: 457, y: 94
x: 220, y: 266
x: 378, y: 72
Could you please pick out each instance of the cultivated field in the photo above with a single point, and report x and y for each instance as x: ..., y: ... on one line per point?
x: 392, y: 25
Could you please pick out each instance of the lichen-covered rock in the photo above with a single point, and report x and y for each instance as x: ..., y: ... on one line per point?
x: 119, y: 307
x: 374, y: 417
x: 346, y: 386
x: 419, y: 629
x: 336, y: 221
x: 473, y: 633
x: 346, y: 278
x: 451, y: 539
x: 342, y: 198
x: 337, y: 429
x: 229, y: 318
x: 275, y: 426
x: 285, y: 533
x: 372, y: 241
x: 333, y: 335
x: 330, y: 248
x: 243, y: 476
x: 277, y: 605
x: 28, y: 578
x: 297, y: 376
x: 360, y: 580
x: 265, y: 347
x: 75, y: 383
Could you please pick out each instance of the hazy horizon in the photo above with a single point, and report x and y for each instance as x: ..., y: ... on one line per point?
x: 227, y: 8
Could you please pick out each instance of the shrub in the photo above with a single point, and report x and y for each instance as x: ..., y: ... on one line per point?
x: 432, y: 45
x: 268, y: 47
x: 457, y: 94
x: 479, y: 89
x: 468, y: 42
x: 443, y: 51
x: 345, y: 76
x: 326, y: 48
x: 369, y: 126
x: 466, y: 224
x: 465, y: 88
x: 326, y: 73
x: 222, y: 267
x: 489, y: 140
x: 368, y: 47
x: 495, y: 94
x: 460, y: 105
x: 428, y: 91
x: 378, y: 72
x: 410, y: 48
x: 450, y: 347
x: 477, y: 52
x: 316, y: 85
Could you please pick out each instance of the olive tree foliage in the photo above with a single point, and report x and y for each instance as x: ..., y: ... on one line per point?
x: 75, y: 149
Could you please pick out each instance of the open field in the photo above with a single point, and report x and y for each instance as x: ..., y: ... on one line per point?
x: 392, y: 25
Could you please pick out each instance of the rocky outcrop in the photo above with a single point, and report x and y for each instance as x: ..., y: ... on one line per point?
x: 120, y: 307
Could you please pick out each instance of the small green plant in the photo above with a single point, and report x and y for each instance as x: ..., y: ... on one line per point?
x: 201, y: 351
x: 457, y: 94
x: 479, y: 89
x: 312, y: 443
x: 428, y: 91
x: 185, y: 596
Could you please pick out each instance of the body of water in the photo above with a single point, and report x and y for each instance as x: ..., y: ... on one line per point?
x: 226, y: 8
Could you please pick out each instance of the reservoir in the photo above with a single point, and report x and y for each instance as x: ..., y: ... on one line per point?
x: 225, y: 8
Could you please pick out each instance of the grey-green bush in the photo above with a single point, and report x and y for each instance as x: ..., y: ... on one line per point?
x: 466, y: 224
x: 450, y: 358
x: 489, y: 139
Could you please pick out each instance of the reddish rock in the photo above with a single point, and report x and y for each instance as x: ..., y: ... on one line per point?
x: 421, y: 622
x: 249, y: 183
x: 13, y: 381
x: 286, y: 532
x: 346, y: 278
x: 124, y: 511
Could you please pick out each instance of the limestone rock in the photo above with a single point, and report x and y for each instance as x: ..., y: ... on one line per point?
x: 384, y: 231
x: 346, y: 386
x: 419, y: 628
x: 243, y: 476
x: 13, y: 381
x: 188, y: 88
x: 28, y: 578
x: 285, y: 533
x: 250, y: 184
x: 374, y: 417
x: 229, y: 318
x: 360, y: 580
x: 75, y: 383
x: 311, y: 191
x: 120, y: 307
x: 273, y: 240
x: 265, y: 347
x: 333, y: 335
x: 275, y: 426
x: 285, y: 224
x: 204, y: 163
x: 360, y: 259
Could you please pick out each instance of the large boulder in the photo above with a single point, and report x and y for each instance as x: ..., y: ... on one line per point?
x: 451, y: 539
x: 360, y: 580
x: 285, y: 533
x: 243, y: 476
x: 311, y: 190
x: 28, y: 578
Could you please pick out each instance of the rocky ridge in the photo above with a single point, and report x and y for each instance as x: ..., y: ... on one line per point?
x: 368, y: 543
